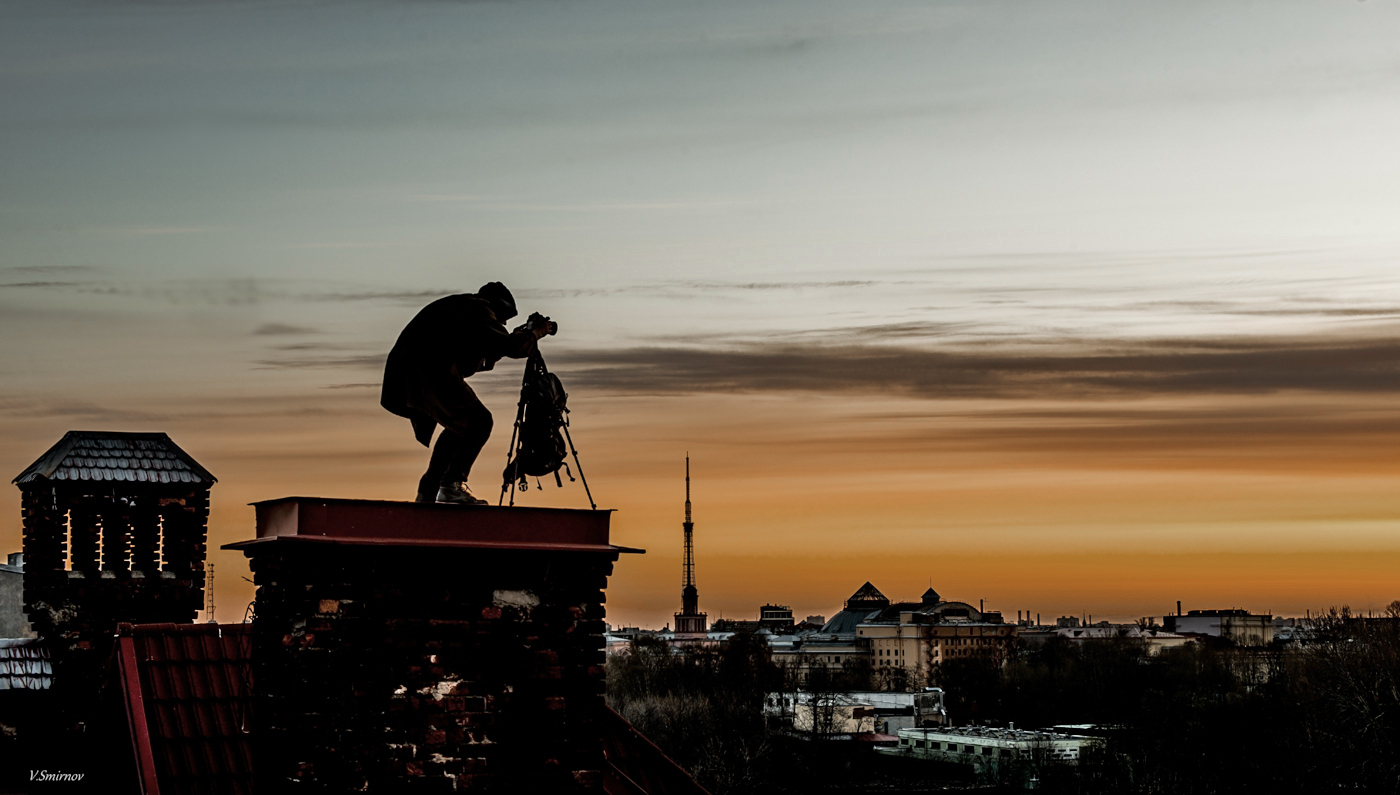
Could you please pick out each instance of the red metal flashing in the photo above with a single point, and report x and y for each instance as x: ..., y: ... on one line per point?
x: 377, y: 522
x: 637, y: 765
x: 389, y: 542
x: 136, y: 711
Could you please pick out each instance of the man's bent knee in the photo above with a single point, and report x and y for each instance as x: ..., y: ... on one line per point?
x: 470, y: 423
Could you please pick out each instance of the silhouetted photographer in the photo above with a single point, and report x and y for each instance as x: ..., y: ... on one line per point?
x: 447, y: 342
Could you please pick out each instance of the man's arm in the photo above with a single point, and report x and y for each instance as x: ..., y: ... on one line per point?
x: 525, y: 338
x: 523, y: 341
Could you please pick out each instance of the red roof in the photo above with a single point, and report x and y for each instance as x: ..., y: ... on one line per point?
x: 187, y: 693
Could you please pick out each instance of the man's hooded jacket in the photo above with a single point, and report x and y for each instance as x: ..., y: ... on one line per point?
x: 448, y: 340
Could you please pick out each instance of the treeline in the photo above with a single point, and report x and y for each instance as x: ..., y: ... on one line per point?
x: 1212, y: 717
x: 705, y: 710
x: 1204, y: 718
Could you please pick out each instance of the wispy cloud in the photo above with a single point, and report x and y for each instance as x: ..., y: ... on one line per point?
x: 789, y: 285
x: 39, y: 407
x: 371, y: 361
x: 52, y: 270
x: 283, y: 330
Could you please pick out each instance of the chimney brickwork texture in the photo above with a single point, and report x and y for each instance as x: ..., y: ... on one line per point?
x: 409, y: 669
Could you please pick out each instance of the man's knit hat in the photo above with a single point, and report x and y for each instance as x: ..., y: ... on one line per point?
x: 500, y: 299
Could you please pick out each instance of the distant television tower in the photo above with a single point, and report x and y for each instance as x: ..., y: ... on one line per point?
x: 691, y: 624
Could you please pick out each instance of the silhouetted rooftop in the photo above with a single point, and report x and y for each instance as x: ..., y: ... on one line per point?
x: 112, y: 456
x: 867, y: 597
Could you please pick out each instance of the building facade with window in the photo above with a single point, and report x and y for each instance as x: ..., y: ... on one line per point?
x: 913, y: 638
x: 907, y: 639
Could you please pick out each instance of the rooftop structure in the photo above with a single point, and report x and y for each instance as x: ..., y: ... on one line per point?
x: 772, y: 620
x: 114, y: 531
x: 1154, y: 638
x: 13, y: 622
x: 111, y: 457
x: 485, y: 629
x: 866, y: 598
x: 1234, y: 624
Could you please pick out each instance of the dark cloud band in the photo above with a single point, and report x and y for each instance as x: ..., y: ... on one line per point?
x: 1052, y: 369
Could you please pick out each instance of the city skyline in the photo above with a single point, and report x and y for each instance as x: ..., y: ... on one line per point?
x: 1076, y: 307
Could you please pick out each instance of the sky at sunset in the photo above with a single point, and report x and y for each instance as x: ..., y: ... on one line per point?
x: 1074, y: 307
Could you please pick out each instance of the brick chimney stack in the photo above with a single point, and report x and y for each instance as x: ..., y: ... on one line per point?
x: 403, y: 647
x: 114, y: 531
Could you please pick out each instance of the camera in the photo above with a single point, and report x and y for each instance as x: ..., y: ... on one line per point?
x: 536, y: 320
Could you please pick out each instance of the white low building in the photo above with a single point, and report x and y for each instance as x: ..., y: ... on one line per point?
x: 984, y: 746
x: 857, y: 712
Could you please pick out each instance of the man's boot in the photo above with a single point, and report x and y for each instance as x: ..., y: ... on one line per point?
x: 458, y: 493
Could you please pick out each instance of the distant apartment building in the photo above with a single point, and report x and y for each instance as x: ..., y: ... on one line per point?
x: 776, y: 619
x: 1153, y: 638
x: 1240, y: 626
x: 13, y: 621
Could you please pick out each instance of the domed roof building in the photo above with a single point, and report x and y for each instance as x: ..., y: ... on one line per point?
x: 904, y: 638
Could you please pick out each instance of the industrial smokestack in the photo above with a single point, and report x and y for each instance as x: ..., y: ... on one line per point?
x: 1178, y: 607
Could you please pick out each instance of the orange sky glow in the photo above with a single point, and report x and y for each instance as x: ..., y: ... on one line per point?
x: 1047, y: 508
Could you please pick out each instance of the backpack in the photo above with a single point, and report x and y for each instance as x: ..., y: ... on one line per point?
x: 539, y: 447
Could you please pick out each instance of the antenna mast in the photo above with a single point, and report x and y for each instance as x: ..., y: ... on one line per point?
x: 209, y: 593
x: 688, y: 579
x: 690, y: 622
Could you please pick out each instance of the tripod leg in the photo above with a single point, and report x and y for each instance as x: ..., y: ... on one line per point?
x: 514, y: 434
x: 510, y: 453
x: 579, y: 464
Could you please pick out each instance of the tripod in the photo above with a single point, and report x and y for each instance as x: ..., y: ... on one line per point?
x: 536, y: 370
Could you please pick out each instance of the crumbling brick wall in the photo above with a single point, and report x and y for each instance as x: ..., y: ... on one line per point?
x: 411, y: 669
